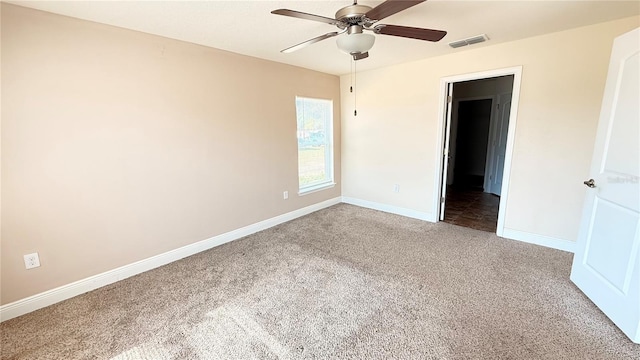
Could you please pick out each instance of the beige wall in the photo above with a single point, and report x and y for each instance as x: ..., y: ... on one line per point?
x: 118, y: 145
x: 393, y: 139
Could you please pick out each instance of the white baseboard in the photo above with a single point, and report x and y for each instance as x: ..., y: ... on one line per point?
x: 64, y: 292
x: 542, y: 240
x: 551, y: 242
x: 79, y: 287
x: 388, y: 208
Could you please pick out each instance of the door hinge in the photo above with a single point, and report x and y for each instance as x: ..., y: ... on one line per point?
x: 442, y: 200
x: 449, y: 98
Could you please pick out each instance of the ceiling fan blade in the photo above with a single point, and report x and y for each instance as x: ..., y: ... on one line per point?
x: 309, y: 42
x: 389, y: 8
x: 360, y: 56
x: 410, y: 32
x: 301, y: 15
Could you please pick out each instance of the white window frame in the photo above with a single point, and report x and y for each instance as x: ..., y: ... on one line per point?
x: 328, y: 181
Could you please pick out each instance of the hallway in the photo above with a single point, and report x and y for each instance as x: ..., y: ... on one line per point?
x: 472, y: 208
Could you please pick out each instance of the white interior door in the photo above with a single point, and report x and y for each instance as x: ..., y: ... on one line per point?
x: 446, y: 152
x: 453, y: 134
x: 606, y: 264
x: 499, y: 143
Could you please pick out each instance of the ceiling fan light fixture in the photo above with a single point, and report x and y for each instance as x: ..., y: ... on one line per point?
x: 356, y: 43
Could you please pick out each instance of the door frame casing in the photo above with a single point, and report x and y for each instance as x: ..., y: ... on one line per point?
x: 516, y: 71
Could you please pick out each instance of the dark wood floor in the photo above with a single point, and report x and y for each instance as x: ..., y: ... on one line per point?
x: 472, y: 208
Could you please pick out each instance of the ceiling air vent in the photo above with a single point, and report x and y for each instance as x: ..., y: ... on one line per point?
x: 469, y: 41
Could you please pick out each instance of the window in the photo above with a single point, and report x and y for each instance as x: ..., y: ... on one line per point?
x: 315, y: 143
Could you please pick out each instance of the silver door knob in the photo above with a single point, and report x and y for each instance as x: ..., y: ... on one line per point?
x: 590, y: 183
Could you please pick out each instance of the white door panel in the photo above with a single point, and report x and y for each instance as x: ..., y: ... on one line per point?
x: 606, y: 265
x: 608, y: 255
x: 499, y: 139
x: 447, y: 149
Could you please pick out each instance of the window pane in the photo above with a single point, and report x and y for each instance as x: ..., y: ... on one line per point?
x: 315, y: 145
x: 311, y: 165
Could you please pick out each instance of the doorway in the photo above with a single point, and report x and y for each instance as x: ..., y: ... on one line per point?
x: 468, y: 202
x: 478, y: 122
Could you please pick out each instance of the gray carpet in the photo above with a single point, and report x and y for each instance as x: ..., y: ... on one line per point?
x: 344, y: 282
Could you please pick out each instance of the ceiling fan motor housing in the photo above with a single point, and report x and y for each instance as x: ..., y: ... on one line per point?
x: 352, y: 14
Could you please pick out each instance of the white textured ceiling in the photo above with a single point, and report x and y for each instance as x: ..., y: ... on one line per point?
x: 247, y: 27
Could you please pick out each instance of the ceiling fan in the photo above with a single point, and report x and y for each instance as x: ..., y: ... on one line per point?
x: 354, y: 19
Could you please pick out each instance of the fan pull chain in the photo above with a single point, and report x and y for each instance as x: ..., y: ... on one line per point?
x: 355, y: 93
x: 351, y: 75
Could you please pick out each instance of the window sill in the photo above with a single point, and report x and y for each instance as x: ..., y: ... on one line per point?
x: 315, y: 188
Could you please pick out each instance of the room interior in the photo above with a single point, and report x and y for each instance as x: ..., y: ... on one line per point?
x: 137, y: 134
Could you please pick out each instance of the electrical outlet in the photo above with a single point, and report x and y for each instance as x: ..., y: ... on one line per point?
x: 285, y: 195
x: 396, y: 188
x: 31, y: 261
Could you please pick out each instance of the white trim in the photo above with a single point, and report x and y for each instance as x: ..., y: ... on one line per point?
x: 64, y: 292
x: 440, y: 144
x: 446, y: 148
x: 508, y: 155
x: 542, y: 240
x: 511, y: 234
x: 316, y: 188
x: 517, y: 79
x: 329, y: 161
x: 389, y: 209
